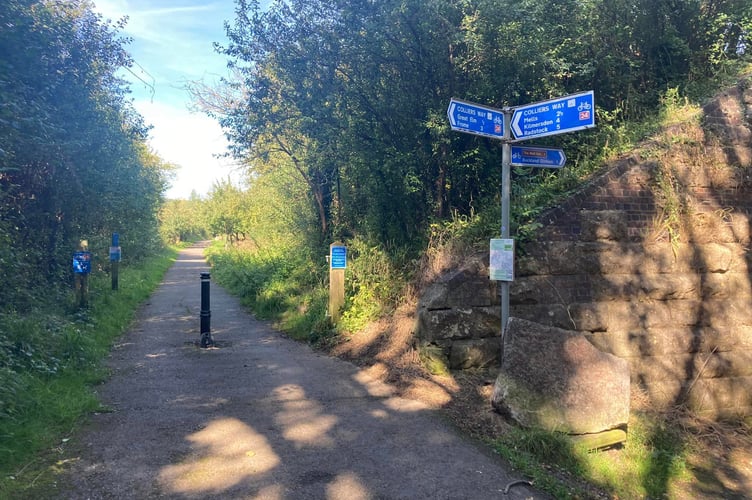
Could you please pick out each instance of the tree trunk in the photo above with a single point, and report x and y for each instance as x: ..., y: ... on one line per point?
x: 440, y: 193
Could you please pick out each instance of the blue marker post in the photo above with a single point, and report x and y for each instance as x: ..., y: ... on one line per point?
x: 115, y: 259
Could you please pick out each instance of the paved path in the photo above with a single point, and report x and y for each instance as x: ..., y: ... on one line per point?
x: 260, y: 417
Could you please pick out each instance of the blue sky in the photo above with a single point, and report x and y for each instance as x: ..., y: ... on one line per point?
x: 172, y: 44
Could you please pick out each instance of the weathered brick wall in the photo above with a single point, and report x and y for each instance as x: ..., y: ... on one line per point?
x: 677, y: 306
x: 661, y: 278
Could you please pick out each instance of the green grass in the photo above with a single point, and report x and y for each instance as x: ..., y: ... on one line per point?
x: 538, y: 453
x: 653, y: 461
x: 49, y: 361
x: 283, y: 285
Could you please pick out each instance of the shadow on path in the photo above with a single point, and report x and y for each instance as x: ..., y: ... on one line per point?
x: 260, y: 417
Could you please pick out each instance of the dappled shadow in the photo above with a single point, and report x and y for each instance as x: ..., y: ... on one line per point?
x: 386, y: 349
x: 225, y: 453
x: 264, y: 417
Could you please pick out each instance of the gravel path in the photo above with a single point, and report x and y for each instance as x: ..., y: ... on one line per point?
x: 259, y: 417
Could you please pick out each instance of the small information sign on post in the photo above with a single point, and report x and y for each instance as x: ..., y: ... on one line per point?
x: 115, y: 254
x: 337, y: 266
x: 537, y: 157
x: 82, y: 262
x: 502, y: 259
x: 338, y: 256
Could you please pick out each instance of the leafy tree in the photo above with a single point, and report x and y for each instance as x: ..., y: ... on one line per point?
x: 183, y: 220
x: 328, y: 84
x: 354, y: 93
x: 73, y: 160
x: 225, y: 210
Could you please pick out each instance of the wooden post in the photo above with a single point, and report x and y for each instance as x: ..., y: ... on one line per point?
x: 337, y: 266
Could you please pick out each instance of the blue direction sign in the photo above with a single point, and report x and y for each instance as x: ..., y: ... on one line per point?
x: 475, y: 119
x: 538, y: 157
x: 557, y: 116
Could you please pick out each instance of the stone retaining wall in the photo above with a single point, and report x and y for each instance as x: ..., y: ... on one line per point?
x: 661, y: 280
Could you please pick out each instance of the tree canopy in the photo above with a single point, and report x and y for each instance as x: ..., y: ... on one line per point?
x: 73, y: 159
x: 352, y: 95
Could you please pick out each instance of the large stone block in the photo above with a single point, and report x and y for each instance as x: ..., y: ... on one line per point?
x: 674, y: 340
x: 556, y: 380
x: 469, y: 287
x: 606, y: 257
x: 721, y: 397
x: 662, y: 394
x: 727, y: 286
x: 454, y: 324
x: 557, y: 315
x: 648, y: 314
x: 692, y: 366
x: 548, y: 289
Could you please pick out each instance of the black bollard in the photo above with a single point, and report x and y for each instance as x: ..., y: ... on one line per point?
x: 206, y: 338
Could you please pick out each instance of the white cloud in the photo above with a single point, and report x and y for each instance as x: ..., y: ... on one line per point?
x: 172, y: 44
x: 190, y: 140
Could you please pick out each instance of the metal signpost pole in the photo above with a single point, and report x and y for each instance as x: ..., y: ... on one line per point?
x: 506, y: 161
x: 511, y: 124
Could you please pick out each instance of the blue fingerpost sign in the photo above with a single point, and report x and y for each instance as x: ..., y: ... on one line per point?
x: 475, y: 119
x: 557, y: 116
x: 338, y: 257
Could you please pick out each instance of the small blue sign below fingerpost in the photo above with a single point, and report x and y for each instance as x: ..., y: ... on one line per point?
x: 338, y: 257
x: 115, y: 254
x: 537, y: 157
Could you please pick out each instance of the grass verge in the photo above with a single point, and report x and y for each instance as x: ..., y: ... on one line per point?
x: 50, y: 359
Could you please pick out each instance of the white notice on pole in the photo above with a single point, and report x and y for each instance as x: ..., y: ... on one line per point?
x: 501, y: 266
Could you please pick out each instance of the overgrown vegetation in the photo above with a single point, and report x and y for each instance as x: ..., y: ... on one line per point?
x: 50, y: 359
x: 74, y: 165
